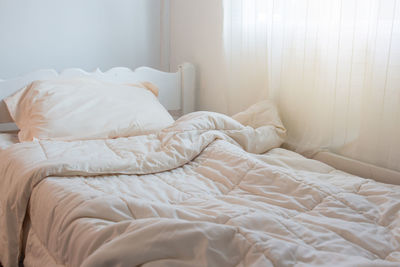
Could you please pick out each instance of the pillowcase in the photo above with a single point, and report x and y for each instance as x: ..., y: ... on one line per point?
x: 85, y: 108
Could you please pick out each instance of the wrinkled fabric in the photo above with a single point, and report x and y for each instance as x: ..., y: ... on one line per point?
x: 224, y: 208
x: 196, y: 194
x: 25, y: 164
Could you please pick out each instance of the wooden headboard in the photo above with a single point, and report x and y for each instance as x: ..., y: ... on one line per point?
x: 176, y: 90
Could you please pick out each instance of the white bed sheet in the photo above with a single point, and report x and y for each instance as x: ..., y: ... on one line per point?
x: 7, y: 140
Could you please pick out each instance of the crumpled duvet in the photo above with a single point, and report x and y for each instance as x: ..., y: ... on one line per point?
x: 196, y: 193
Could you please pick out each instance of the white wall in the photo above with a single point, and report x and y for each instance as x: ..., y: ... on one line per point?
x: 80, y: 33
x: 196, y: 37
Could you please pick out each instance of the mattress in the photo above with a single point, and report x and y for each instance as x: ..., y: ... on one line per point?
x: 202, y: 192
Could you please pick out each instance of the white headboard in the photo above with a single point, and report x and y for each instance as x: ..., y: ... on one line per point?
x: 176, y: 90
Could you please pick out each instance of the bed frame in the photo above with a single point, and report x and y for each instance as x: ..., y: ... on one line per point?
x: 176, y: 90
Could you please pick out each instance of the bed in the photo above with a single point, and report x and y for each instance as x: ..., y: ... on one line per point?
x: 208, y: 190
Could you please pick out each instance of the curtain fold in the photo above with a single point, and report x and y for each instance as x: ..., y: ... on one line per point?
x: 332, y: 67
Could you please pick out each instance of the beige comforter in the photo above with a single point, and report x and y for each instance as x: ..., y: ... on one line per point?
x: 198, y: 196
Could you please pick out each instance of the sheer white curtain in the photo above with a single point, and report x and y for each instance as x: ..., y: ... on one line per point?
x: 332, y: 66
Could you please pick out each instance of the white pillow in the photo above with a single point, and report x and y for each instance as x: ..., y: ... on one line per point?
x: 83, y: 108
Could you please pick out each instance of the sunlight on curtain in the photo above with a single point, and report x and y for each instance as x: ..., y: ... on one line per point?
x: 333, y: 68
